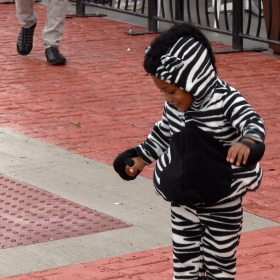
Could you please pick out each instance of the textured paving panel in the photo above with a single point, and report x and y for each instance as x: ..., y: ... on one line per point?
x: 29, y: 215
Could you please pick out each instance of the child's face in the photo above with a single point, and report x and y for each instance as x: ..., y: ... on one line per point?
x: 179, y: 98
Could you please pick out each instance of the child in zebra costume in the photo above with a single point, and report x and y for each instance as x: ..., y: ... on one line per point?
x: 207, y: 145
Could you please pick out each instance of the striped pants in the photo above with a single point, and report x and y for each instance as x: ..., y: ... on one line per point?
x: 205, y: 240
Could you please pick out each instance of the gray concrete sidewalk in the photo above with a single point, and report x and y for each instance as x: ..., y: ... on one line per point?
x: 96, y: 186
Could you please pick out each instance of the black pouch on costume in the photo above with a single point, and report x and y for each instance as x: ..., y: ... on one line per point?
x: 198, y: 172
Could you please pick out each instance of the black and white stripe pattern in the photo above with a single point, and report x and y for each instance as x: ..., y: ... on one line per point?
x: 187, y: 65
x: 205, y: 237
x: 205, y: 240
x: 217, y: 109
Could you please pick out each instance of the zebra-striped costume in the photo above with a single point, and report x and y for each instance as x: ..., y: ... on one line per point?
x: 205, y: 235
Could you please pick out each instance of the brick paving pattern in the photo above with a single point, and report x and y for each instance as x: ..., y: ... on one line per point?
x: 102, y: 102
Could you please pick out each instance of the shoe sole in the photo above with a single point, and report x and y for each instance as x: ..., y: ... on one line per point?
x: 57, y: 63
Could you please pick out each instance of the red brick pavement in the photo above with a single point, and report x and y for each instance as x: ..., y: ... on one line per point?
x: 102, y: 102
x: 257, y: 259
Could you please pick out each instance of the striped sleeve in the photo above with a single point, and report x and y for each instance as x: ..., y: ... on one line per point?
x: 243, y: 117
x: 157, y: 141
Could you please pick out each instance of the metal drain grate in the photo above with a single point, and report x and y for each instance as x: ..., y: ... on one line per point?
x: 29, y: 215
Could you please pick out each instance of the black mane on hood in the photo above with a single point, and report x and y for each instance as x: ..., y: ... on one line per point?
x: 167, y: 39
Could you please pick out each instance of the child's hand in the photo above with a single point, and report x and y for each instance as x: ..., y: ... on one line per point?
x: 139, y: 165
x: 239, y: 153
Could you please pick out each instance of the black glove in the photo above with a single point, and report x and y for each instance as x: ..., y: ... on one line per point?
x: 256, y: 152
x: 124, y: 159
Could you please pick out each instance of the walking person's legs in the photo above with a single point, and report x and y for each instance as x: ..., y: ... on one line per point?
x: 53, y: 31
x: 27, y: 19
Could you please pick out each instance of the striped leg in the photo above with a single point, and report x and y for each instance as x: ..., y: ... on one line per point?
x: 206, y: 239
x: 187, y: 233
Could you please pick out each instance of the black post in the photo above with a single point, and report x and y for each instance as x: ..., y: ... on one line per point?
x: 237, y: 25
x: 80, y: 9
x: 179, y: 10
x: 152, y: 13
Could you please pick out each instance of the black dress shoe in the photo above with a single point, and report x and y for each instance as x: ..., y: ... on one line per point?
x: 25, y: 40
x: 54, y: 57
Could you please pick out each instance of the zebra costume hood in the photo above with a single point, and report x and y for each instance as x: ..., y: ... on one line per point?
x: 187, y: 65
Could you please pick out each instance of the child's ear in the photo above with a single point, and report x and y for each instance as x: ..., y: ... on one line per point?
x: 171, y: 63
